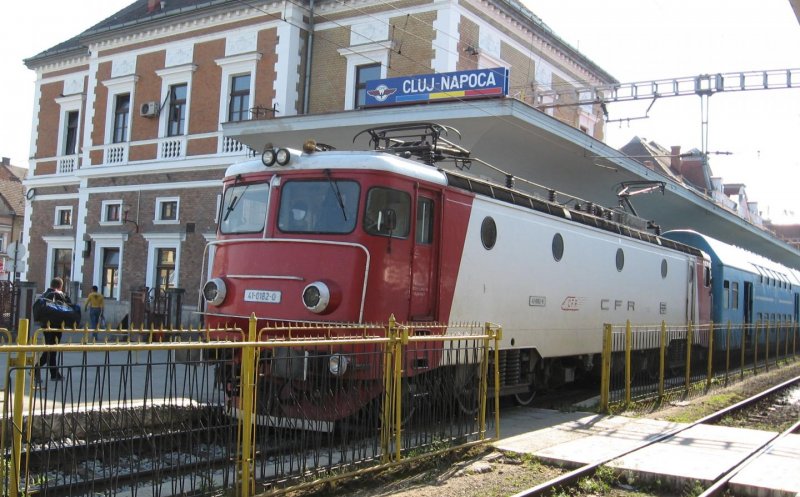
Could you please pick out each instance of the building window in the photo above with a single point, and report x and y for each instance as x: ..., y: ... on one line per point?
x: 63, y: 217
x: 121, y: 116
x: 365, y: 73
x: 62, y: 265
x: 177, y: 110
x: 71, y: 133
x: 167, y: 210
x: 239, y: 107
x: 165, y: 268
x: 111, y: 212
x: 110, y: 282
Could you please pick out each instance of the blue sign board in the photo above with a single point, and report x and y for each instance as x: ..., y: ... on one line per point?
x: 421, y: 88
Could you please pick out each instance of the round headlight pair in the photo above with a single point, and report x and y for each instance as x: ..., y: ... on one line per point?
x: 272, y: 156
x: 214, y: 291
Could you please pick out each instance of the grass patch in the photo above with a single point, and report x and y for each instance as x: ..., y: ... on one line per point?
x: 706, y: 406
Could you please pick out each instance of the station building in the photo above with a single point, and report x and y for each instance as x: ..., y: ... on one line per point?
x: 127, y: 143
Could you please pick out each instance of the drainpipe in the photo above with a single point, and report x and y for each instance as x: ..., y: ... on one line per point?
x: 309, y: 50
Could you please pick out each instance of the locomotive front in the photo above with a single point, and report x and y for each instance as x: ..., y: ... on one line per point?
x: 316, y: 239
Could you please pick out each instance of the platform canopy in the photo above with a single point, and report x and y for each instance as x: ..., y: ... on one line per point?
x: 529, y: 144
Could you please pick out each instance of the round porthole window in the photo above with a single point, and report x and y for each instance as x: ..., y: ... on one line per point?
x: 663, y: 268
x: 488, y: 233
x: 558, y: 247
x: 620, y: 259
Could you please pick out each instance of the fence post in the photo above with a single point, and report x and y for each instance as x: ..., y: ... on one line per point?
x: 727, y: 352
x: 484, y: 384
x: 662, y: 363
x: 247, y: 395
x: 794, y: 341
x: 755, y: 348
x: 628, y: 340
x: 605, y: 369
x: 498, y: 335
x: 709, y: 371
x: 398, y: 389
x: 19, y: 398
x: 689, y: 341
x: 387, y: 419
x: 744, y: 329
x: 766, y: 345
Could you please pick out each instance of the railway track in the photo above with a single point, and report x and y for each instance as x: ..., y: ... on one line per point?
x: 720, y: 484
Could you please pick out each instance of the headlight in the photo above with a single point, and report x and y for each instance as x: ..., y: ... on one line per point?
x: 282, y: 156
x: 316, y: 297
x: 214, y: 291
x: 268, y: 157
x: 337, y: 364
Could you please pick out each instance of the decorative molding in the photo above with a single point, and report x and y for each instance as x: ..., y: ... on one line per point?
x: 179, y: 55
x: 371, y: 31
x: 240, y: 42
x: 123, y: 65
x: 73, y: 84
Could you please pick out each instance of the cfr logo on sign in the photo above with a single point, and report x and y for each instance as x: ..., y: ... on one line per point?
x: 572, y: 304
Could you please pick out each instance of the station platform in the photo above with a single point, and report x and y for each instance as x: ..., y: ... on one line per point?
x: 702, y: 453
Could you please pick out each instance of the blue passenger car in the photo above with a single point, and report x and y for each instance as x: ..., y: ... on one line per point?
x: 746, y: 287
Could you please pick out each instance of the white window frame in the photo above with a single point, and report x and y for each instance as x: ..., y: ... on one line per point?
x: 104, y: 213
x: 236, y: 65
x: 104, y: 241
x: 69, y: 104
x: 370, y: 53
x: 58, y: 210
x: 171, y: 76
x: 157, y: 241
x: 119, y: 86
x: 57, y: 242
x: 157, y: 214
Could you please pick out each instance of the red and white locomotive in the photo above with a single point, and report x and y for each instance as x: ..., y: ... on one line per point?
x: 322, y: 235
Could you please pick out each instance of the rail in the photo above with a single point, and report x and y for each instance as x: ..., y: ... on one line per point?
x: 192, y: 411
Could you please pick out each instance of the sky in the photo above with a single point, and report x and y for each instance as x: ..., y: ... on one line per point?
x: 633, y: 40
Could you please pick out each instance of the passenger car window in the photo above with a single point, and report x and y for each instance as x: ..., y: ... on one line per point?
x: 387, y: 213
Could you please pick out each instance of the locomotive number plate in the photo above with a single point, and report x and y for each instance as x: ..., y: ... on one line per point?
x: 268, y: 296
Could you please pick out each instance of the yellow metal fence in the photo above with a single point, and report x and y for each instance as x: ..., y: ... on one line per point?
x: 645, y: 364
x: 257, y: 410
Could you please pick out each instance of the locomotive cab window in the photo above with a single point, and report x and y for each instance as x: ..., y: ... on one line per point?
x: 424, y: 227
x: 387, y: 213
x: 244, y: 209
x: 324, y: 206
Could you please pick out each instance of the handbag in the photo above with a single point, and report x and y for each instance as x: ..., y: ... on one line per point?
x: 56, y: 313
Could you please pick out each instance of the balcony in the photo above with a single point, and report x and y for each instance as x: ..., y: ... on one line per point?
x: 67, y: 164
x: 115, y: 154
x: 231, y: 146
x: 173, y: 147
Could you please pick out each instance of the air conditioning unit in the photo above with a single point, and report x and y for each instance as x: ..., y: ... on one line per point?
x: 148, y: 109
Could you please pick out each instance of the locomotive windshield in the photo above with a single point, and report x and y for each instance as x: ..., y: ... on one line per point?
x: 327, y: 206
x: 244, y: 209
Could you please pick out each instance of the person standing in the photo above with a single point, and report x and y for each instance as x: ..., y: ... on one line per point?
x: 95, y: 304
x: 50, y: 357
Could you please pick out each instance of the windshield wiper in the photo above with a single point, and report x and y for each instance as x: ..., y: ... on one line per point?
x: 235, y: 199
x: 335, y: 188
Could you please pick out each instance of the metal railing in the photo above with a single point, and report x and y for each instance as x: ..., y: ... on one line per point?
x: 259, y: 410
x: 646, y: 364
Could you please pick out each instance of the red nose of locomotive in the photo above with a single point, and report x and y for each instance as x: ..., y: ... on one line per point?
x: 287, y: 280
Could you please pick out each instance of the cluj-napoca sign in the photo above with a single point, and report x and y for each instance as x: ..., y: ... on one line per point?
x: 421, y: 88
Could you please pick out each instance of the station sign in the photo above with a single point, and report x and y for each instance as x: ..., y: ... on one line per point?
x: 424, y: 88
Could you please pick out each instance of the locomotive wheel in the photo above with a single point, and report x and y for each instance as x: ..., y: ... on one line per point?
x: 525, y: 399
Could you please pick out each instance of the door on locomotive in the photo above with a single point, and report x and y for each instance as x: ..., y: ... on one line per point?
x: 425, y: 260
